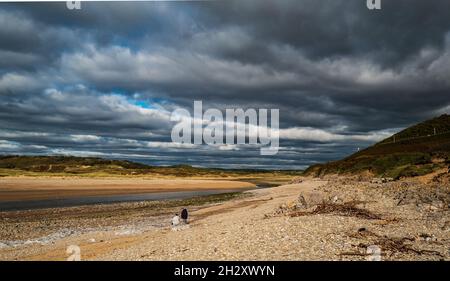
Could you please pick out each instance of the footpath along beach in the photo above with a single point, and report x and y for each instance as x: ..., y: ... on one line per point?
x: 338, y: 219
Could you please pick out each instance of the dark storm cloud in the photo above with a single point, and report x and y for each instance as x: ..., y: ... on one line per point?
x: 330, y: 28
x: 103, y: 80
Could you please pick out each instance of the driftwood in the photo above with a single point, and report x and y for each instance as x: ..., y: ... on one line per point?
x: 397, y: 245
x: 348, y: 209
x: 388, y: 244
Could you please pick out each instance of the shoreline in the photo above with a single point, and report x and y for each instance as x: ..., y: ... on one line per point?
x: 30, y: 234
x: 26, y: 205
x: 16, y: 189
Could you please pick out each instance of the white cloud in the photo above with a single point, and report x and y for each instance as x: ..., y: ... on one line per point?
x: 8, y: 145
x: 13, y: 82
x: 85, y: 138
x: 155, y: 144
x: 312, y: 134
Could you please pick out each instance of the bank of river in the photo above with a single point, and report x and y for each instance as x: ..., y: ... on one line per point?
x: 91, y: 200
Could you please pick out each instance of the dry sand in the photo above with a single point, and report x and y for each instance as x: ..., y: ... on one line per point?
x: 29, y: 188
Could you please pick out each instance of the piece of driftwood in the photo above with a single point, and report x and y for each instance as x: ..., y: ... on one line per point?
x: 348, y: 209
x: 387, y: 244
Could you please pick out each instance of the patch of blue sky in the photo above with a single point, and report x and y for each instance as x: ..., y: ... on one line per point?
x: 143, y: 103
x: 134, y: 98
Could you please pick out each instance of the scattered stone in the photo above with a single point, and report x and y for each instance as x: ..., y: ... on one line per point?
x: 446, y: 226
x: 335, y: 199
x: 381, y: 180
x: 427, y: 237
x: 307, y: 200
x: 297, y: 180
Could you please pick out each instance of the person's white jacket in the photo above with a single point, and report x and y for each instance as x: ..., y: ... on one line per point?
x: 175, y: 220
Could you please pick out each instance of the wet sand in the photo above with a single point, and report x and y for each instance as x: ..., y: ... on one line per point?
x: 29, y: 188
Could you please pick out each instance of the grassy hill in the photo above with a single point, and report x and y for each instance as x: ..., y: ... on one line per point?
x: 97, y: 167
x: 415, y: 151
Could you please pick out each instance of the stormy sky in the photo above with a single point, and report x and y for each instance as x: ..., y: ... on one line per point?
x: 103, y: 80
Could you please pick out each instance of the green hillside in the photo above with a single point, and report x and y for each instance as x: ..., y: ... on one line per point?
x: 14, y: 165
x: 415, y: 151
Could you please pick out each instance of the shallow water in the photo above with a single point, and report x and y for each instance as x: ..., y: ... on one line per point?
x: 79, y: 201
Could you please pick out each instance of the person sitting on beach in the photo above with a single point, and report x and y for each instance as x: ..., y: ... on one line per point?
x: 184, y: 215
x: 175, y: 220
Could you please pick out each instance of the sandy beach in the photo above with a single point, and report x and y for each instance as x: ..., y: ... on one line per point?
x: 310, y: 220
x: 38, y: 188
